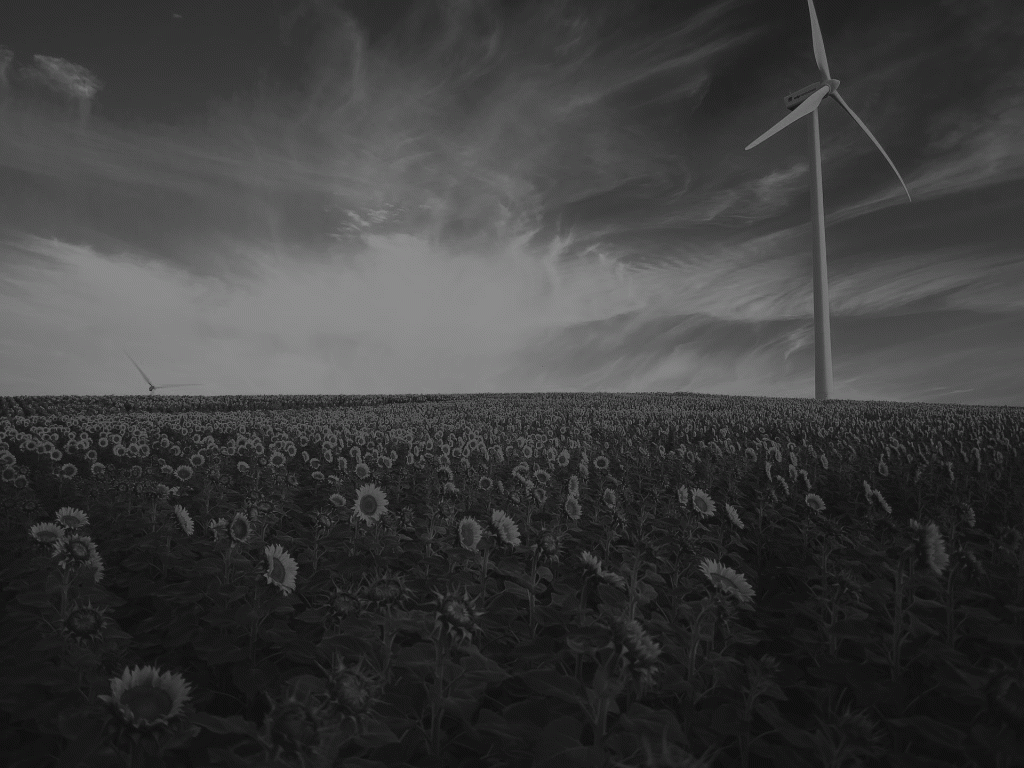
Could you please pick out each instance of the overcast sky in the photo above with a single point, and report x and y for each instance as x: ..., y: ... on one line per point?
x: 397, y: 196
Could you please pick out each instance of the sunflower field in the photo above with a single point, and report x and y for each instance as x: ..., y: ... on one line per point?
x: 510, y: 581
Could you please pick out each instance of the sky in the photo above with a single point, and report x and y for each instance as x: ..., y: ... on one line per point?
x: 416, y: 196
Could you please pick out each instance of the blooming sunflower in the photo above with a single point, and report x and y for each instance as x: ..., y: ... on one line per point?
x: 703, y: 503
x: 572, y: 506
x: 146, y: 699
x: 71, y: 518
x: 730, y: 510
x: 371, y: 503
x: 932, y: 549
x: 470, y: 533
x: 184, y: 520
x: 281, y: 568
x: 46, y: 533
x: 815, y: 502
x: 683, y: 494
x: 640, y: 653
x: 240, y: 529
x: 78, y: 551
x: 727, y: 580
x: 506, y: 529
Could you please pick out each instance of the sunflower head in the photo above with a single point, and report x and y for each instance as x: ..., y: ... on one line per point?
x: 240, y: 529
x: 344, y: 603
x: 71, y: 518
x: 457, y: 615
x: 84, y: 624
x: 145, y: 699
x: 389, y: 591
x: 281, y: 568
x: 370, y: 504
x: 292, y: 728
x: 352, y: 691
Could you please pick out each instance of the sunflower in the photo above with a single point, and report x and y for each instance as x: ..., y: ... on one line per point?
x: 68, y: 471
x: 470, y: 533
x: 46, y: 533
x: 572, y: 506
x: 549, y: 546
x: 932, y: 549
x: 730, y: 510
x: 506, y: 529
x: 609, y: 497
x: 351, y: 690
x: 727, y: 580
x: 293, y: 726
x: 457, y: 615
x: 281, y: 569
x: 814, y: 501
x: 388, y: 591
x: 184, y: 520
x: 683, y: 494
x: 594, y: 564
x: 240, y: 529
x: 371, y: 503
x: 703, y: 503
x: 78, y: 551
x: 146, y: 699
x: 71, y: 518
x: 640, y: 653
x: 84, y: 624
x: 344, y: 604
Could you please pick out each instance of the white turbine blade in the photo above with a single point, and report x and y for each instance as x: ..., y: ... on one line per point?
x: 819, y: 46
x: 805, y: 108
x: 140, y: 370
x: 860, y: 122
x: 169, y: 386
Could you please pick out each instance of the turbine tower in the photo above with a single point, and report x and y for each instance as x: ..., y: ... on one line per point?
x: 151, y: 385
x: 801, y: 103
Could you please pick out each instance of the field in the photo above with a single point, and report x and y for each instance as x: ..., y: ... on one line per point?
x: 515, y: 580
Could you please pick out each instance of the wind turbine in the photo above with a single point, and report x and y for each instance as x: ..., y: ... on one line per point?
x: 801, y: 103
x: 151, y: 385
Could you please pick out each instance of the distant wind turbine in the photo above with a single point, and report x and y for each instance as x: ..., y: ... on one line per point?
x: 801, y: 103
x: 151, y: 385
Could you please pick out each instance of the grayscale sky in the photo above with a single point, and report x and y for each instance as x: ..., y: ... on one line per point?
x: 397, y: 196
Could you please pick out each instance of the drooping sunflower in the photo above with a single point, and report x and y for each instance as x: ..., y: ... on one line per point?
x: 727, y: 580
x: 371, y: 503
x: 281, y: 569
x: 146, y: 699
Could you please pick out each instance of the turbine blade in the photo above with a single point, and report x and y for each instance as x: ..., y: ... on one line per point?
x: 806, y: 107
x: 140, y: 370
x: 169, y: 386
x: 860, y: 122
x: 819, y: 46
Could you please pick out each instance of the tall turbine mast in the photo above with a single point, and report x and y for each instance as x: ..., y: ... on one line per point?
x: 801, y: 103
